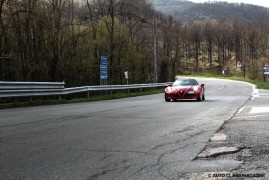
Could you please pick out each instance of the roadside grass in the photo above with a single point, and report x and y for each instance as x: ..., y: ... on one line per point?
x: 14, y: 103
x: 259, y: 84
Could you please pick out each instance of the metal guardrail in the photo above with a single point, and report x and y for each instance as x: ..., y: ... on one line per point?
x: 24, y: 89
x: 32, y: 89
x: 9, y: 85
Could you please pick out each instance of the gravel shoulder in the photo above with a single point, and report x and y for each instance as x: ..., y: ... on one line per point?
x: 248, y: 133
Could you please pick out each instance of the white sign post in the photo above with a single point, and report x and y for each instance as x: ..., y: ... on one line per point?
x: 126, y: 76
x: 239, y: 65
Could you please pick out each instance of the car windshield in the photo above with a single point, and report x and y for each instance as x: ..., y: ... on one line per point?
x: 185, y: 82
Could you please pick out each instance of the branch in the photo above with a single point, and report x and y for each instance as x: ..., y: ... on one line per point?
x: 5, y: 57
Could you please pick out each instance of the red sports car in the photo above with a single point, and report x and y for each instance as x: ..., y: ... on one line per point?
x: 185, y: 89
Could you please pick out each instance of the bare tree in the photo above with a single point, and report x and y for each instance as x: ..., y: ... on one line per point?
x: 209, y: 31
x: 252, y: 38
x: 196, y: 36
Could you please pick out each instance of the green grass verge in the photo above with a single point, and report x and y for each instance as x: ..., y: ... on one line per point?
x: 259, y: 84
x: 106, y: 96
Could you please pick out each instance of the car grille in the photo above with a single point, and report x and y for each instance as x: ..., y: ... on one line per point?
x: 181, y: 95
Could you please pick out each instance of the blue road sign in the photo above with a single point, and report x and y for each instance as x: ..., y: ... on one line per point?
x: 104, y: 60
x: 104, y: 77
x: 266, y: 70
x: 103, y: 72
x: 103, y: 68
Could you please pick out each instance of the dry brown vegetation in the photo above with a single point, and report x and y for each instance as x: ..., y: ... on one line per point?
x: 63, y: 40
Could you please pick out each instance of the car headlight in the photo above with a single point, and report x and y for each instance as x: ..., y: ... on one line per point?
x: 166, y: 90
x: 195, y: 88
x: 191, y: 92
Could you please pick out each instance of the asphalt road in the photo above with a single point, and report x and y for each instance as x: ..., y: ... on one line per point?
x: 133, y: 138
x: 248, y: 131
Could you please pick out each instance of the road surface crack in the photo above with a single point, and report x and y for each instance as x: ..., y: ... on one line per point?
x: 95, y: 176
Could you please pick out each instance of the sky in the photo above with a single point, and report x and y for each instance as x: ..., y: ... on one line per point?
x: 264, y: 3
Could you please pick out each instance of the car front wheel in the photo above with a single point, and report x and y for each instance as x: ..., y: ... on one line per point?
x: 200, y: 98
x: 167, y: 99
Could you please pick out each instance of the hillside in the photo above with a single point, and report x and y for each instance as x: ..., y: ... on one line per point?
x: 189, y: 11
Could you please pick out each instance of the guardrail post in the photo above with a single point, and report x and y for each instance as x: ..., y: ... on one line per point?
x: 88, y: 94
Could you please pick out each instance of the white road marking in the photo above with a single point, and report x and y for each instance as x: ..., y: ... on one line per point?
x: 256, y: 110
x: 240, y: 110
x: 255, y: 93
x: 247, y: 117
